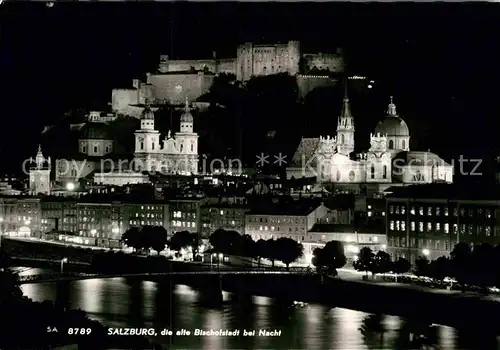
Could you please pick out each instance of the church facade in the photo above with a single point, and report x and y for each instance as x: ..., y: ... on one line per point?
x: 39, y: 174
x: 388, y: 162
x: 177, y: 154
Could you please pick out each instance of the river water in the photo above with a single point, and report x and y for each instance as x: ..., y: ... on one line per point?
x: 118, y: 303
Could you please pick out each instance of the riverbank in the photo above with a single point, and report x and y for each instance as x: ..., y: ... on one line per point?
x: 436, y: 306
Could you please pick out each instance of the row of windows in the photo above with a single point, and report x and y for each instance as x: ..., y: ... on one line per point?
x: 188, y: 224
x: 96, y: 148
x: 438, y: 227
x: 147, y: 222
x: 274, y: 228
x: 400, y: 242
x: 181, y: 148
x: 438, y: 211
x: 276, y: 221
x: 182, y: 215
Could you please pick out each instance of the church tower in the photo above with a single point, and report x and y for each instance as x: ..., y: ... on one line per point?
x: 147, y: 141
x: 39, y: 174
x: 187, y: 141
x: 345, y: 129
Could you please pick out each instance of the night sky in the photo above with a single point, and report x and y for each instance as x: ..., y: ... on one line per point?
x: 440, y: 61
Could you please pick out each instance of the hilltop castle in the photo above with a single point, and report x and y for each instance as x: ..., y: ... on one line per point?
x: 176, y: 80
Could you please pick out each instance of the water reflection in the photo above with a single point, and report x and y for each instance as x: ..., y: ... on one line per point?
x: 120, y: 303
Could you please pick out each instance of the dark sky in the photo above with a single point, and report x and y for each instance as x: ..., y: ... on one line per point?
x: 440, y: 61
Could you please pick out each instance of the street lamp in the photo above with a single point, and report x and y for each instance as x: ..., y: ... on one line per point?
x: 70, y: 186
x: 63, y: 260
x: 426, y: 252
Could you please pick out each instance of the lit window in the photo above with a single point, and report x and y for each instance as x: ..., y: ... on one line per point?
x: 446, y: 228
x: 429, y: 226
x: 421, y: 226
x: 412, y: 225
x: 421, y: 211
x: 445, y: 211
x: 403, y: 226
x: 391, y: 225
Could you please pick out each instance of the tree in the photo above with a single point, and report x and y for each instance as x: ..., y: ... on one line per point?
x: 461, y: 262
x: 483, y: 266
x: 225, y: 242
x: 439, y: 269
x: 180, y: 240
x: 332, y: 256
x: 261, y: 250
x: 318, y: 259
x: 382, y: 263
x: 365, y: 260
x: 288, y: 250
x: 248, y: 247
x: 156, y: 237
x: 401, y: 266
x: 132, y: 238
x: 271, y: 250
x: 422, y: 266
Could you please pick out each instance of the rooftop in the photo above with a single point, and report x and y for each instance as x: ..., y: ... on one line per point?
x: 344, y: 228
x: 297, y: 208
x: 446, y: 191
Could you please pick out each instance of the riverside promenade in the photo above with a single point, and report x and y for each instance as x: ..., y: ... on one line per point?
x: 452, y: 308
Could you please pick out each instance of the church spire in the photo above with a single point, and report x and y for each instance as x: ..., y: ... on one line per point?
x: 345, y: 128
x: 345, y: 119
x: 39, y: 160
x: 391, y: 110
x: 186, y: 106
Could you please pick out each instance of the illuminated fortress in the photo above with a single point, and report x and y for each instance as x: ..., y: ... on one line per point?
x: 177, y: 80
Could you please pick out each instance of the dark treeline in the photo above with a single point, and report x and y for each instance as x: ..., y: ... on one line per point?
x: 478, y: 267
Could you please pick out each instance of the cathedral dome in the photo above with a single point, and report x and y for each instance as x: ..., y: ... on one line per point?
x: 187, y: 117
x: 95, y: 131
x: 392, y: 124
x: 147, y: 113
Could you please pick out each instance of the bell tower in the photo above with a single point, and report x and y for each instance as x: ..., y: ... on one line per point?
x: 39, y: 174
x: 345, y: 128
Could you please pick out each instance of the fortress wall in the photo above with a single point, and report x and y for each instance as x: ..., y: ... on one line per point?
x: 308, y: 83
x: 121, y: 98
x: 186, y: 65
x: 175, y: 87
x: 227, y: 65
x: 146, y: 93
x: 333, y: 62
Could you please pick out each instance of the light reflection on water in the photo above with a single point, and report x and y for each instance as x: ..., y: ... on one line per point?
x: 117, y: 302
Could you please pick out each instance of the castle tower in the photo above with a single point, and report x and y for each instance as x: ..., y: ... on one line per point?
x: 39, y: 174
x: 147, y: 140
x: 345, y: 129
x: 294, y: 57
